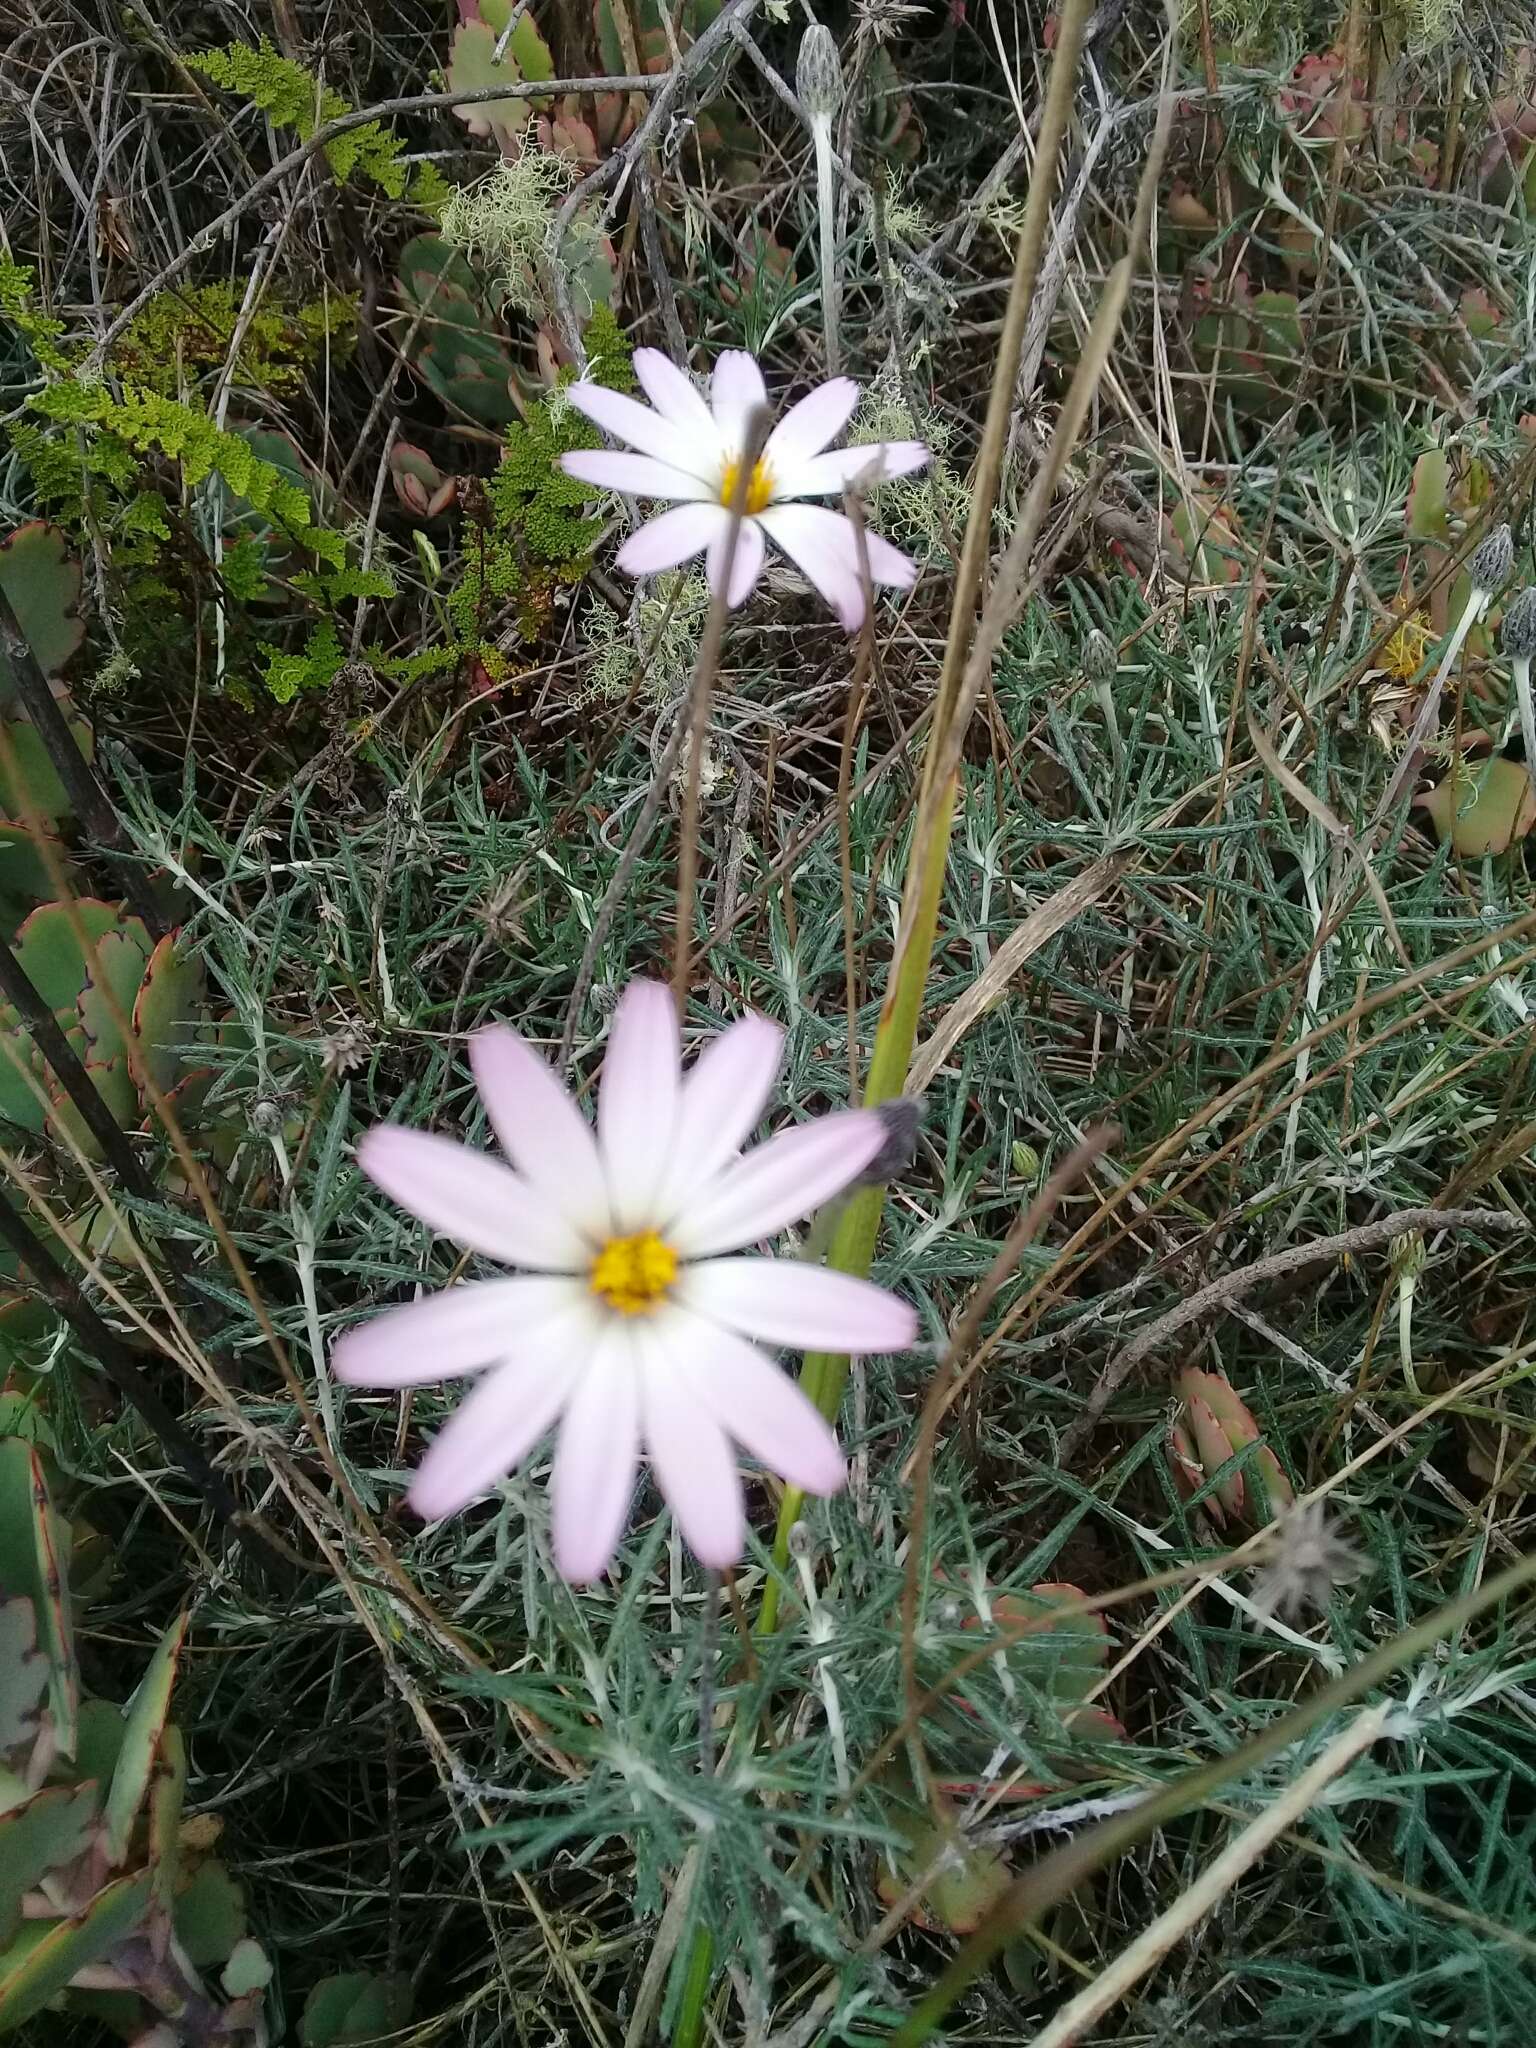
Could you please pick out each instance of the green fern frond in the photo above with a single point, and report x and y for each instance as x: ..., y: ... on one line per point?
x: 292, y: 97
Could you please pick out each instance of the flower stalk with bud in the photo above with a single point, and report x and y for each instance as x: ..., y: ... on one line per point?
x: 1517, y: 638
x: 819, y: 83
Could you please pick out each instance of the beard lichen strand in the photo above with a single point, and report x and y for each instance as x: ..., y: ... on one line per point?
x: 634, y: 1275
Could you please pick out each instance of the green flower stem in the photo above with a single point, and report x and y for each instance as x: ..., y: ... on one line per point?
x: 825, y: 1373
x: 853, y: 1241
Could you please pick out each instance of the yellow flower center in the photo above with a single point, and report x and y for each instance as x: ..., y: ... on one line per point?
x: 759, y: 487
x: 633, y: 1274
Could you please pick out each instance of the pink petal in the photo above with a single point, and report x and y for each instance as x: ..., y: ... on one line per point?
x: 594, y: 1477
x: 490, y: 1433
x: 444, y: 1335
x: 539, y: 1127
x: 825, y: 559
x: 762, y: 1409
x: 637, y: 1102
x: 746, y: 563
x: 674, y: 393
x: 887, y: 565
x: 736, y: 391
x: 694, y: 1465
x: 810, y: 424
x: 471, y: 1198
x: 845, y: 466
x: 642, y: 428
x: 723, y: 1098
x: 670, y: 538
x: 790, y: 1176
x: 786, y: 1301
x: 615, y: 469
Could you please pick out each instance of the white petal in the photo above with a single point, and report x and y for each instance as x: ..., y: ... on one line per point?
x: 539, y: 1127
x: 824, y: 558
x: 670, y: 538
x: 595, y: 1464
x: 649, y: 431
x: 770, y: 1186
x: 637, y: 1101
x: 471, y: 1198
x: 456, y: 1331
x: 736, y: 391
x: 642, y: 476
x: 845, y: 466
x: 887, y: 565
x: 675, y: 394
x: 746, y: 563
x: 810, y: 424
x: 786, y: 1301
x: 723, y: 1098
x: 694, y: 1465
x: 760, y: 1406
x: 493, y: 1430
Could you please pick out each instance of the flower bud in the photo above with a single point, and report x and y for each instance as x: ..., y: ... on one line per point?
x: 1211, y: 1426
x: 1517, y: 634
x: 819, y: 74
x: 1490, y: 562
x: 1101, y: 661
x: 1408, y: 1254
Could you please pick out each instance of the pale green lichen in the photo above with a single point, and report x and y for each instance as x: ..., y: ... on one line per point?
x: 665, y: 623
x: 502, y: 223
x: 912, y: 510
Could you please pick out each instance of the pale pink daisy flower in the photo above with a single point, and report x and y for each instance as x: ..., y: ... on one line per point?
x: 634, y: 1327
x: 691, y: 452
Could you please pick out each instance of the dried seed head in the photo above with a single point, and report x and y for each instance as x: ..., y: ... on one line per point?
x: 1101, y: 662
x: 819, y: 74
x: 1491, y: 560
x: 802, y: 1542
x: 1517, y: 635
x: 347, y: 1047
x: 1307, y: 1563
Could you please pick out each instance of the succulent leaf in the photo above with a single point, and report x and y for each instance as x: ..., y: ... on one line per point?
x: 23, y: 1675
x: 42, y: 580
x: 43, y: 1835
x: 145, y: 1722
x: 48, y: 1953
x: 32, y: 1549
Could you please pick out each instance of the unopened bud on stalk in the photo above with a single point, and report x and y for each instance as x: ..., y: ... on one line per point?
x: 819, y: 82
x: 819, y: 74
x: 1101, y: 662
x: 1517, y: 637
x: 1517, y: 634
x: 1491, y: 560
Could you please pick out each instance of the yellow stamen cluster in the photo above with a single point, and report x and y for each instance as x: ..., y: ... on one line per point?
x: 759, y: 487
x: 633, y: 1274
